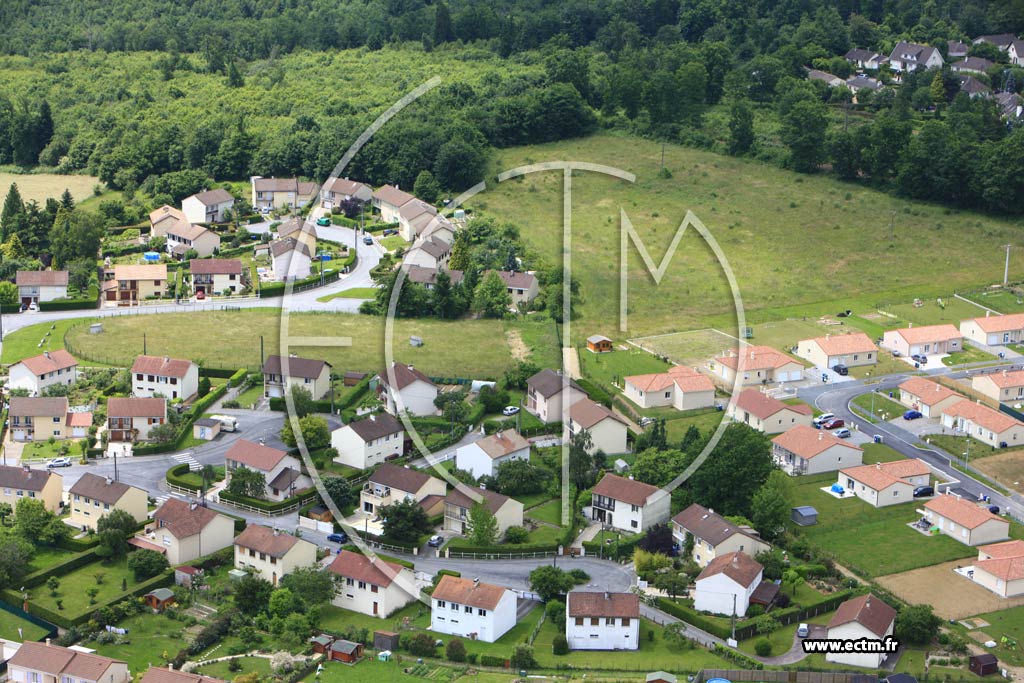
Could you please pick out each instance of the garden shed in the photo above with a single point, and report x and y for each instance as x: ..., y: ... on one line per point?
x: 983, y: 665
x: 804, y: 515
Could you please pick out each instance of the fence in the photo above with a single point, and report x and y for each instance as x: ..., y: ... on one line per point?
x: 529, y: 555
x: 51, y: 630
x: 761, y: 676
x: 277, y: 512
x: 316, y: 525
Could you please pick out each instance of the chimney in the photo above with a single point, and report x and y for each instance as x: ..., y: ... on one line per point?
x: 710, y: 511
x: 476, y: 581
x: 483, y: 487
x: 46, y: 353
x: 878, y: 465
x: 277, y: 532
x: 193, y: 505
x: 170, y: 666
x: 373, y: 418
x: 821, y: 436
x: 986, y: 313
x: 26, y: 468
x: 607, y: 595
x: 167, y: 359
x: 631, y: 477
x: 109, y: 481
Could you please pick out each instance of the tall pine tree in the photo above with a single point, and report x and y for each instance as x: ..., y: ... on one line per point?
x: 13, y: 213
x: 443, y: 32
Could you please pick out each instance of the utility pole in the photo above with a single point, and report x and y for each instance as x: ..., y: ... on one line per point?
x: 144, y: 344
x: 734, y: 616
x: 892, y: 227
x: 261, y: 351
x: 1006, y: 272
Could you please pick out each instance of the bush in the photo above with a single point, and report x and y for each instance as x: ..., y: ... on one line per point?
x: 492, y: 660
x: 455, y: 651
x: 516, y: 534
x: 579, y: 576
x: 522, y: 657
x: 763, y: 647
x: 560, y: 645
x: 422, y: 645
x: 471, y: 657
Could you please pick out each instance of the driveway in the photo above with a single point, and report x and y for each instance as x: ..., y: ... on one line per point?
x: 796, y: 651
x: 919, y: 427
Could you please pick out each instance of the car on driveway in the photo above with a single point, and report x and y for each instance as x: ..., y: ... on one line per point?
x: 912, y: 415
x: 390, y: 231
x: 842, y: 433
x: 841, y: 369
x: 923, y: 360
x: 323, y: 221
x: 367, y: 240
x: 59, y: 462
x: 924, y: 492
x: 803, y: 630
x: 824, y: 417
x: 510, y: 410
x: 436, y: 541
x: 340, y: 537
x: 834, y: 423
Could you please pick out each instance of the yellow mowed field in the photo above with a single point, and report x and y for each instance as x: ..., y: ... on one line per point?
x: 40, y: 186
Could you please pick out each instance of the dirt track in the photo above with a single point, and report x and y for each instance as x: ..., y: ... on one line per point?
x: 953, y: 596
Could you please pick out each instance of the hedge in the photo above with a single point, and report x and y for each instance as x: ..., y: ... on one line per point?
x: 68, y: 304
x: 595, y: 392
x: 11, y: 308
x: 173, y: 476
x: 77, y: 545
x: 277, y: 288
x: 492, y: 660
x: 614, y: 551
x: 504, y: 549
x: 219, y: 373
x: 264, y: 505
x: 237, y: 378
x: 61, y: 568
x: 475, y: 414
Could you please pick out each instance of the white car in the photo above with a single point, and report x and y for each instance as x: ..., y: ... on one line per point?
x: 825, y: 417
x: 510, y: 410
x: 33, y: 306
x: 803, y: 630
x: 59, y: 462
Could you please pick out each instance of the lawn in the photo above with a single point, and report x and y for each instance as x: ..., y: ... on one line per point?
x: 248, y: 398
x: 550, y: 512
x: 45, y: 556
x: 25, y: 342
x: 705, y: 420
x: 882, y: 406
x: 149, y: 635
x: 961, y: 445
x: 869, y: 541
x: 73, y: 586
x: 393, y: 242
x: 43, y: 186
x: 220, y: 670
x: 195, y: 479
x: 951, y: 311
x: 782, y: 639
x: 998, y: 300
x: 761, y: 231
x: 470, y: 348
x: 970, y: 354
x: 1009, y: 623
x: 354, y: 293
x: 610, y: 368
x: 17, y: 629
x: 44, y: 450
x: 372, y: 671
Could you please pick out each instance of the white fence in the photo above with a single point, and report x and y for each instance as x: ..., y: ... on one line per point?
x: 316, y: 525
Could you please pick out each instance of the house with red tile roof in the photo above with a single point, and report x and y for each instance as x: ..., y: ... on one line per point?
x: 270, y: 553
x: 760, y: 411
x: 755, y: 365
x: 924, y: 340
x: 42, y: 371
x: 885, y: 483
x: 132, y: 419
x: 165, y: 674
x: 484, y: 457
x: 727, y: 583
x: 216, y: 275
x: 863, y: 617
x: 41, y: 285
x: 680, y: 387
x: 129, y: 284
x: 627, y: 504
x: 47, y: 663
x: 985, y: 424
x: 806, y: 450
x: 186, y: 531
x: 852, y: 350
x: 169, y: 377
x: 1002, y: 385
x: 371, y: 586
x: 927, y: 397
x: 282, y: 473
x: 38, y: 418
x: 472, y: 609
x: 166, y: 218
x: 1000, y: 568
x: 965, y: 520
x: 994, y: 330
x: 601, y: 620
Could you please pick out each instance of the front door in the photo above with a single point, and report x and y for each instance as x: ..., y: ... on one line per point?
x: 374, y: 608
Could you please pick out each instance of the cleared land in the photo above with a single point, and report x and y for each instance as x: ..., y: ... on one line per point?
x: 1006, y: 468
x: 1006, y: 622
x: 953, y: 596
x: 41, y: 186
x: 763, y: 232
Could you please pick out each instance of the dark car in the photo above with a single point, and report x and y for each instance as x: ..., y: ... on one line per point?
x: 924, y: 492
x: 994, y: 509
x: 340, y: 537
x: 841, y: 370
x: 436, y: 541
x: 390, y: 231
x: 367, y: 240
x: 923, y: 360
x: 912, y: 415
x: 835, y: 423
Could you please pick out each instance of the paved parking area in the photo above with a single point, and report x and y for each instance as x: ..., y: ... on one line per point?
x: 934, y: 362
x: 920, y: 426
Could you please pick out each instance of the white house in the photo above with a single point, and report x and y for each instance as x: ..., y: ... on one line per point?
x: 681, y: 387
x: 548, y: 394
x: 429, y: 253
x: 216, y: 276
x: 36, y: 662
x: 924, y: 340
x: 413, y: 218
x: 457, y: 505
x: 333, y: 193
x: 993, y: 427
x: 756, y: 365
x: 171, y: 377
x: 38, y: 372
x: 282, y: 473
x: 271, y: 554
x: 35, y: 286
x: 1000, y: 568
x: 602, y: 620
x: 967, y: 522
x: 472, y: 609
x: 885, y: 483
x: 181, y: 240
x: 132, y: 419
x: 166, y: 218
x: 806, y: 450
x: 369, y: 442
x: 522, y: 287
x: 852, y: 350
x: 929, y: 398
x: 726, y: 584
x: 863, y: 617
x: 911, y: 57
x: 372, y: 587
x: 388, y: 199
x: 394, y: 484
x: 291, y: 259
x: 186, y: 531
x: 483, y: 457
x: 760, y: 411
x: 864, y: 59
x: 994, y: 330
x: 1003, y: 385
x: 606, y: 429
x: 714, y: 535
x: 311, y: 374
x: 409, y: 390
x: 629, y: 505
x: 207, y: 207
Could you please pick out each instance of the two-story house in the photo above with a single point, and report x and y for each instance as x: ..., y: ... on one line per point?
x: 769, y: 415
x: 169, y: 377
x: 281, y: 374
x: 35, y: 286
x: 210, y: 206
x: 281, y: 194
x: 290, y: 259
x: 369, y: 442
x: 187, y: 531
x: 714, y: 535
x: 36, y: 662
x: 216, y: 276
x: 522, y: 287
x: 606, y: 429
x: 270, y: 554
x: 865, y: 617
x: 806, y: 450
x: 127, y: 285
x: 548, y: 394
x: 301, y: 229
x: 194, y: 237
x: 166, y: 218
x: 627, y: 504
x: 908, y: 57
x: 388, y: 200
x: 929, y: 398
x: 17, y: 483
x: 282, y: 473
x: 482, y: 458
x: 472, y: 609
x: 371, y: 586
x: 131, y: 419
x: 507, y: 511
x: 93, y: 496
x: 39, y: 372
x: 864, y: 59
x: 394, y: 484
x: 602, y: 620
x: 726, y: 584
x: 413, y: 218
x: 339, y: 190
x: 40, y: 418
x: 403, y: 387
x: 429, y: 253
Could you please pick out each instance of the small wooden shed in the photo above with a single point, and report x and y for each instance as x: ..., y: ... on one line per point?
x: 983, y: 665
x: 321, y: 643
x: 159, y: 599
x: 353, y: 378
x: 346, y: 651
x: 183, y: 576
x: 660, y: 677
x: 385, y: 640
x: 320, y: 513
x: 598, y: 343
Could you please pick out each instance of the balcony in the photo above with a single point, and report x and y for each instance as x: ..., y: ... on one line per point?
x: 378, y: 495
x: 603, y: 502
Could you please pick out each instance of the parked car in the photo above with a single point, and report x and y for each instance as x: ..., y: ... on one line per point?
x: 200, y: 296
x: 340, y: 537
x: 824, y: 417
x: 510, y: 410
x: 436, y: 541
x: 896, y: 354
x: 924, y: 492
x: 912, y: 415
x: 841, y: 369
x: 33, y: 306
x: 390, y: 231
x: 994, y: 509
x: 367, y: 240
x: 842, y: 433
x: 834, y: 423
x: 923, y: 360
x: 59, y: 462
x: 323, y: 221
x: 803, y: 630
x: 645, y: 421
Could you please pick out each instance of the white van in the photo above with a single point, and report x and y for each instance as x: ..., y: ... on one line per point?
x: 227, y: 423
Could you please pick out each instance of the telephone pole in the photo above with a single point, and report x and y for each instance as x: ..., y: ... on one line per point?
x: 1006, y: 268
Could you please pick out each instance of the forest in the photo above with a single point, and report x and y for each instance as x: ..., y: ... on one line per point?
x: 133, y: 91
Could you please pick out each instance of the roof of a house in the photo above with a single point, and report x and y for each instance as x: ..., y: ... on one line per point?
x: 972, y: 86
x: 763, y: 406
x: 873, y: 476
x: 627, y: 490
x: 263, y: 539
x: 684, y: 377
x: 806, y: 441
x: 284, y: 479
x: 415, y: 208
x: 603, y: 604
x: 161, y: 674
x: 24, y: 478
x: 517, y: 280
x: 983, y: 416
x: 861, y: 55
x: 929, y: 333
x: 103, y: 489
x: 1005, y: 568
x: 182, y: 519
x: 136, y: 407
x: 296, y: 225
x: 306, y: 368
x: 56, y: 660
x: 547, y: 383
x: 254, y: 456
x: 660, y: 676
x: 167, y: 211
x: 963, y: 512
x: 289, y: 244
x: 307, y: 188
x: 161, y: 593
x: 345, y: 186
x: 49, y: 361
x: 361, y: 568
x: 1004, y: 379
x: 473, y: 593
x: 998, y: 39
x: 392, y: 195
x: 587, y: 413
x: 927, y: 392
x: 595, y: 338
x: 38, y: 406
x: 460, y: 497
x: 41, y: 278
x: 427, y: 276
x: 1014, y: 548
x: 868, y: 611
x: 376, y: 426
x: 502, y: 443
x: 756, y: 358
x: 162, y: 366
x: 859, y: 82
x: 192, y: 233
x: 912, y: 52
x: 157, y: 271
x: 275, y: 184
x: 1000, y: 323
x: 435, y: 247
x: 215, y: 266
x: 843, y: 344
x: 404, y: 376
x: 954, y: 47
x: 78, y: 419
x: 816, y: 75
x: 738, y: 566
x: 400, y: 478
x: 212, y: 197
x: 709, y: 525
x: 972, y: 64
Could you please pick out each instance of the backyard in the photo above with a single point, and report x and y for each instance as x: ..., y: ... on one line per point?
x: 13, y: 627
x: 149, y: 636
x: 610, y: 368
x: 71, y: 594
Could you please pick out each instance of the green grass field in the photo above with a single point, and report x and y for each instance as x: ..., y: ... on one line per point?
x: 1010, y: 623
x: 998, y: 300
x: 41, y: 186
x: 73, y: 587
x: 967, y: 446
x: 880, y: 404
x: 259, y: 665
x: 970, y: 354
x: 17, y: 629
x: 469, y: 348
x: 24, y: 343
x: 354, y: 293
x: 763, y: 233
x: 393, y: 242
x: 610, y: 368
x: 550, y: 512
x: 149, y: 636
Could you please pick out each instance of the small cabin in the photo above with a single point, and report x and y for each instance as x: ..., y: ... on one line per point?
x: 353, y: 378
x: 183, y: 576
x: 321, y: 643
x: 599, y: 344
x: 804, y: 515
x: 320, y: 514
x: 346, y: 651
x: 983, y: 665
x: 159, y: 599
x: 385, y: 640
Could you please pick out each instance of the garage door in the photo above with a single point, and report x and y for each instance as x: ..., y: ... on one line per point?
x: 791, y: 376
